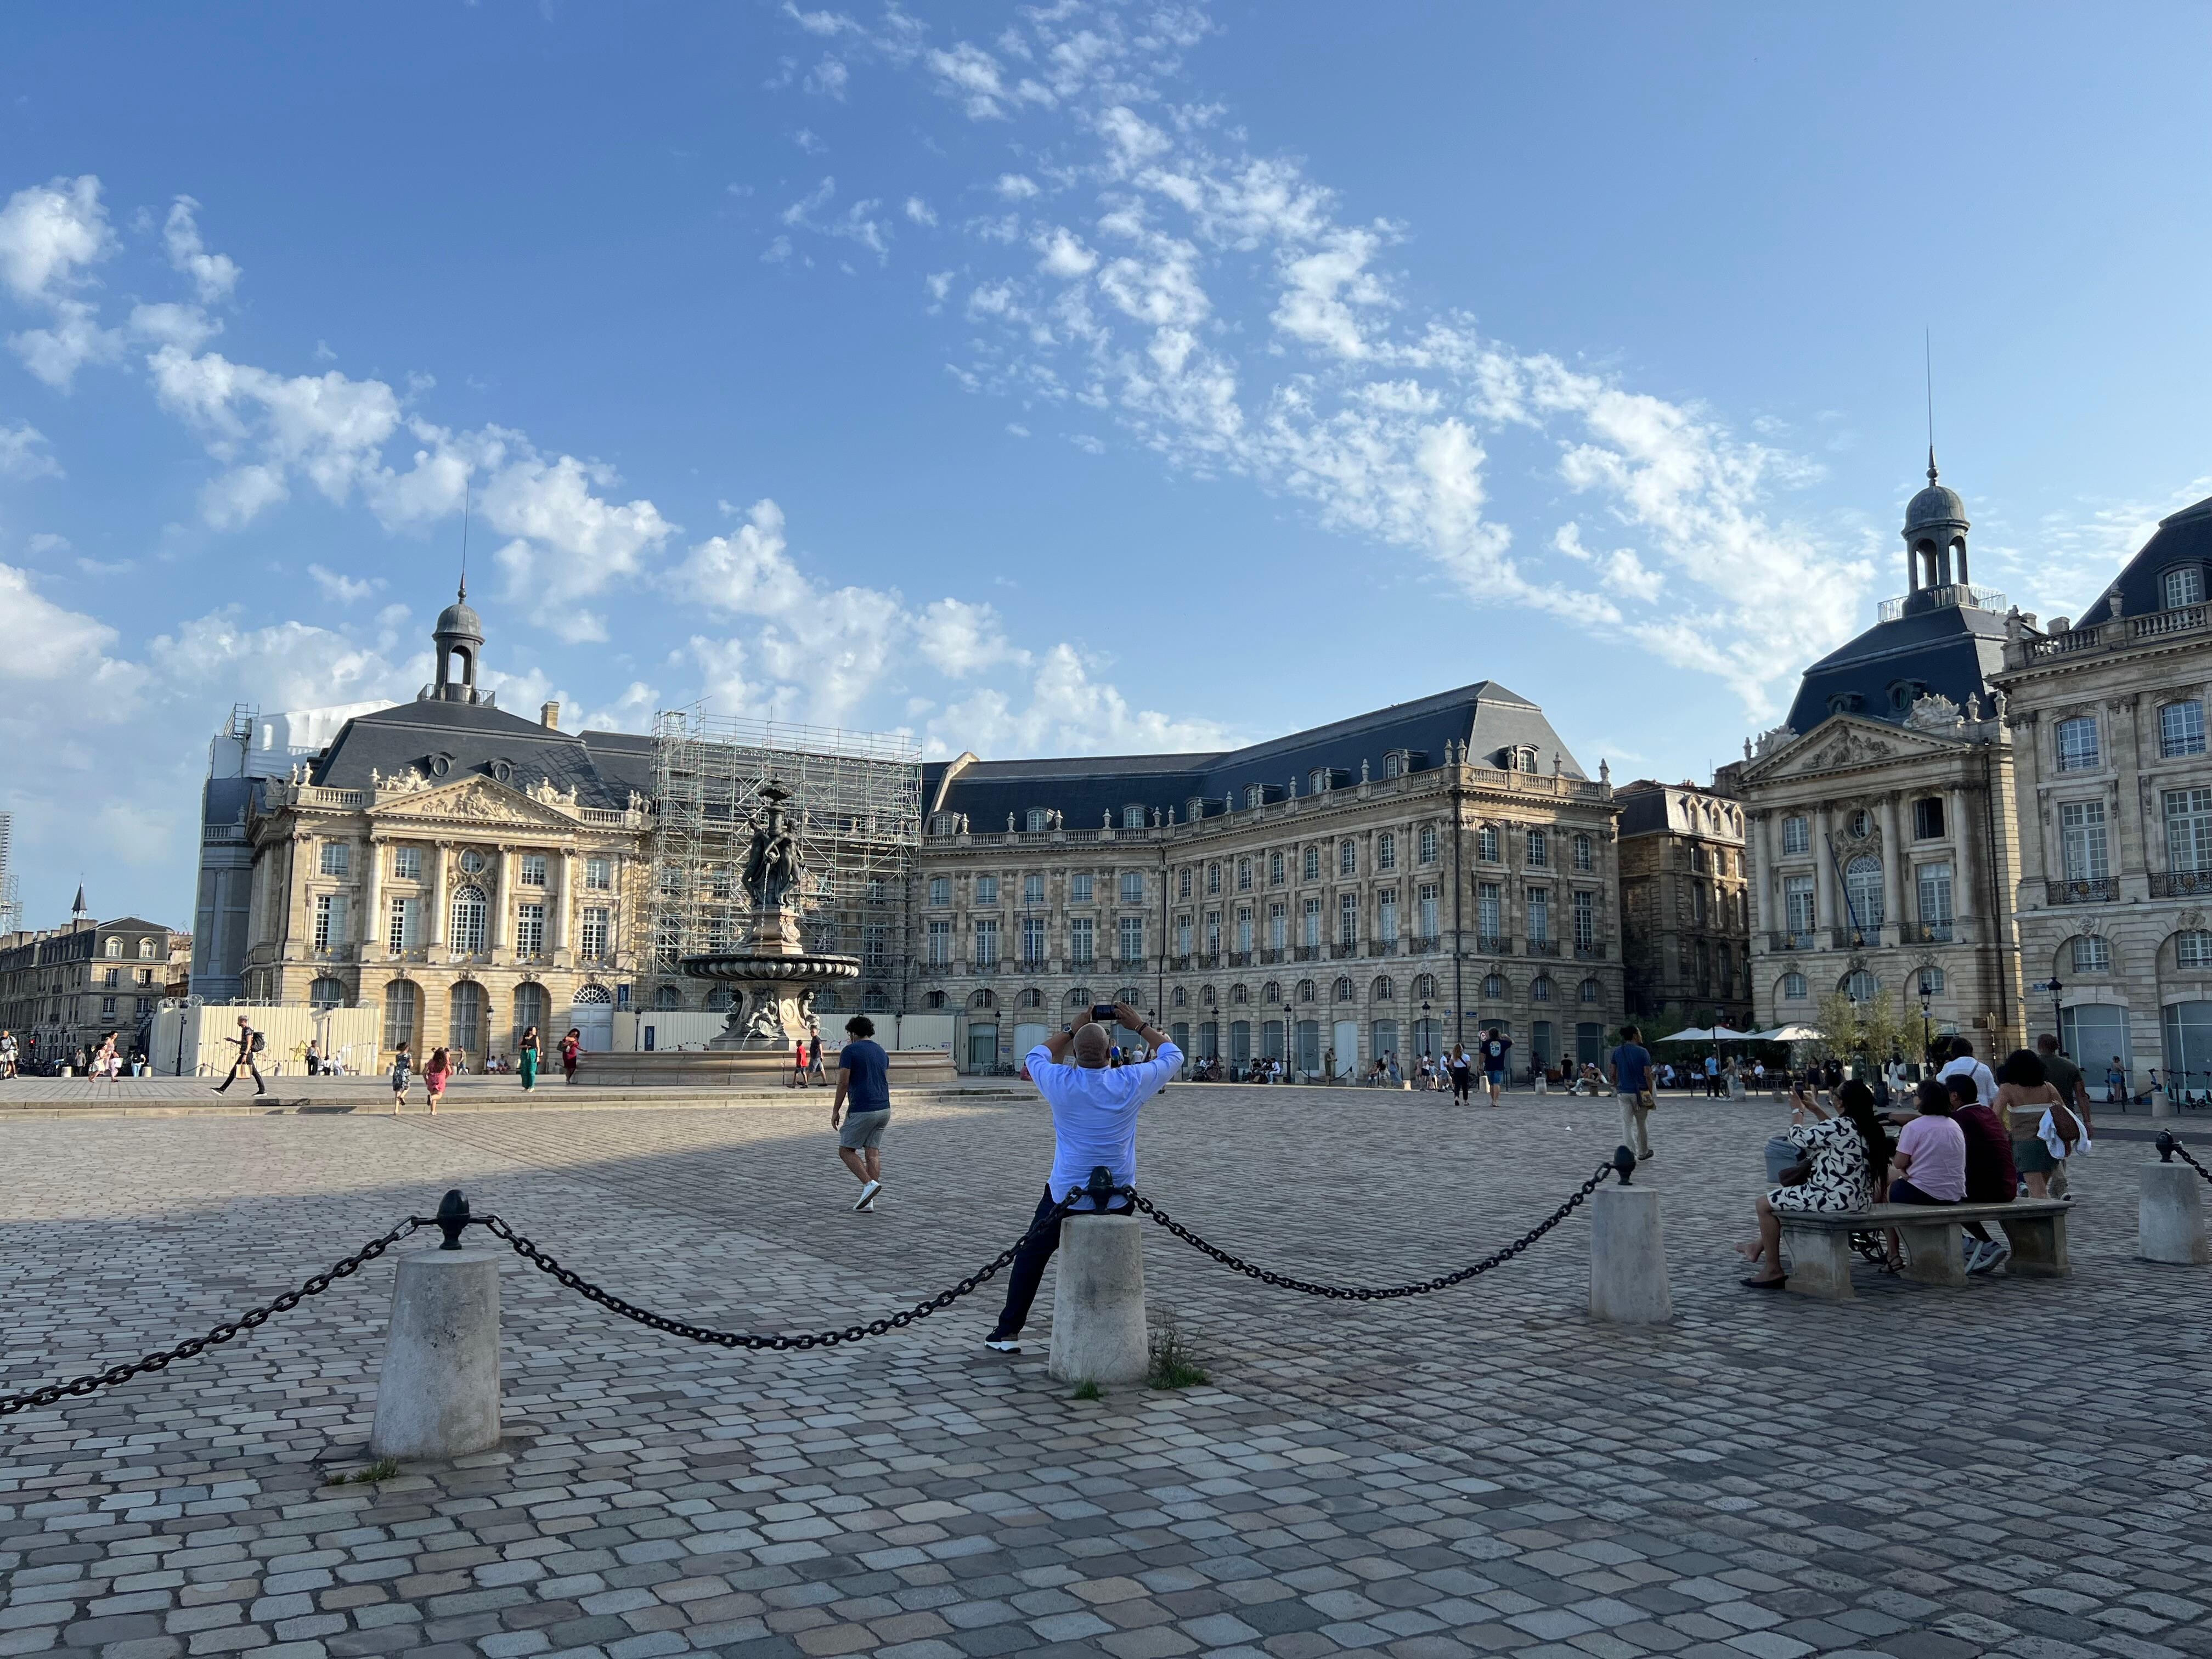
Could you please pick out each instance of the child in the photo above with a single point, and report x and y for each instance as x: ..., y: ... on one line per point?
x: 401, y: 1065
x: 435, y: 1075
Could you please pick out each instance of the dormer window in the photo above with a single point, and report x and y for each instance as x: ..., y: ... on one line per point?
x: 1254, y: 794
x: 2184, y: 585
x: 1132, y: 817
x: 944, y: 823
x: 1846, y: 702
x: 1195, y: 808
x: 1394, y: 763
x: 1040, y: 818
x: 1528, y: 762
x: 1902, y: 694
x: 1316, y: 780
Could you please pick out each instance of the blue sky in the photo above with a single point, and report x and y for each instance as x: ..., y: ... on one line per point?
x: 1051, y: 379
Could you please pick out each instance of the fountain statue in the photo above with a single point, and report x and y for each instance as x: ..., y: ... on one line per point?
x: 772, y: 974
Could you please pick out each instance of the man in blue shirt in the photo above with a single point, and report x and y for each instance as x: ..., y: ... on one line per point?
x: 864, y: 1082
x: 1094, y: 1121
x: 1629, y: 1066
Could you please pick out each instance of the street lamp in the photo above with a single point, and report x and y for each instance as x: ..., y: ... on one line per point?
x: 1926, y: 1026
x: 2057, y: 1026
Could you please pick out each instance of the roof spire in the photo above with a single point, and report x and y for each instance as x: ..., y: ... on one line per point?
x: 1927, y: 365
x: 1931, y: 467
x: 467, y: 481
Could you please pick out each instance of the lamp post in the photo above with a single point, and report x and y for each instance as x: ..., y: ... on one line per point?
x: 2057, y: 1026
x: 1927, y: 1028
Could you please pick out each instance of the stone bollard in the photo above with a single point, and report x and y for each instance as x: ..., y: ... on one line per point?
x: 2161, y: 1103
x: 2170, y: 1217
x: 437, y: 1394
x: 1098, y: 1333
x: 1628, y: 1257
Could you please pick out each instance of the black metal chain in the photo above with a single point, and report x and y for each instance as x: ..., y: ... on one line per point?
x: 1373, y: 1293
x: 252, y: 1319
x: 2169, y: 1142
x: 753, y: 1340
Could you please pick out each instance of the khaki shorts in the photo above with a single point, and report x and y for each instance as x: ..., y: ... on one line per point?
x: 864, y: 1131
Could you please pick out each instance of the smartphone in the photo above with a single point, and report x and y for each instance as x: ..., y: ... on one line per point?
x: 1103, y: 1013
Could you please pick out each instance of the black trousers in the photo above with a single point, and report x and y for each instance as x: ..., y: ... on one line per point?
x: 1027, y: 1271
x: 1462, y: 1082
x: 245, y: 1065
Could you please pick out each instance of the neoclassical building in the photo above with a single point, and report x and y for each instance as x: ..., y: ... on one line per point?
x: 1385, y: 884
x: 467, y: 872
x: 1881, y: 812
x: 2114, y: 896
x: 1685, y: 908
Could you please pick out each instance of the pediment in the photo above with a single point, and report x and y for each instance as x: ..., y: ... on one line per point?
x: 1843, y: 742
x: 471, y: 800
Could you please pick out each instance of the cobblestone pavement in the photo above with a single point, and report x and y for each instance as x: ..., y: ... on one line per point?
x: 2015, y: 1467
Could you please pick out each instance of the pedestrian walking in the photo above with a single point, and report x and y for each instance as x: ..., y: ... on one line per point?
x: 435, y: 1075
x: 1460, y: 1067
x: 1493, y: 1049
x: 814, y: 1055
x: 1629, y: 1068
x: 402, y: 1065
x: 864, y: 1089
x: 1094, y: 1122
x: 249, y: 1043
x: 571, y: 1046
x: 525, y: 1058
x: 797, y: 1079
x: 8, y: 1055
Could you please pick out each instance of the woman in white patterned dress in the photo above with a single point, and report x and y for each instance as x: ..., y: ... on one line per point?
x: 1846, y: 1153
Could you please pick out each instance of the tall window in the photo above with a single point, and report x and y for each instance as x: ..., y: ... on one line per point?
x: 469, y: 915
x: 1032, y: 940
x: 987, y: 942
x: 407, y: 863
x: 1078, y: 888
x: 530, y: 930
x: 1082, y: 940
x: 1540, y: 989
x: 987, y: 890
x: 1927, y: 817
x: 1310, y: 935
x: 1312, y: 866
x: 940, y: 890
x: 1133, y: 886
x: 1133, y: 939
x: 1797, y: 835
x: 330, y: 920
x: 337, y: 857
x: 875, y: 945
x: 1594, y: 992
x: 326, y: 993
x: 2077, y: 744
x: 1386, y: 916
x: 1347, y: 857
x: 2082, y: 837
x: 1489, y: 909
x: 1539, y: 915
x: 465, y: 1027
x: 2189, y: 829
x: 403, y: 1004
x: 1539, y: 848
x: 530, y: 1009
x: 532, y: 870
x: 1132, y: 817
x: 1212, y: 879
x: 599, y: 874
x: 1039, y: 818
x: 1244, y: 928
x: 2193, y: 949
x: 2092, y: 954
x: 1347, y: 919
x: 1182, y: 883
x: 1793, y: 987
x: 1386, y: 851
x: 2183, y: 586
x: 1182, y: 936
x: 1425, y: 911
x: 591, y: 935
x: 1032, y: 890
x: 1428, y: 843
x: 1935, y: 883
x: 1859, y: 986
x: 1584, y: 857
x: 1244, y: 875
x: 1585, y: 919
x: 937, y: 944
x: 1493, y: 988
x: 1930, y: 983
x: 2181, y: 729
x: 1797, y: 904
x: 1274, y: 869
x: 1278, y: 925
x: 1862, y: 886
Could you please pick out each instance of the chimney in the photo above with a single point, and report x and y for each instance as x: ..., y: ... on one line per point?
x: 549, y: 716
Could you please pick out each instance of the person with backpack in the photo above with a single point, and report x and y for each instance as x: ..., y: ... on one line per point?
x: 250, y: 1043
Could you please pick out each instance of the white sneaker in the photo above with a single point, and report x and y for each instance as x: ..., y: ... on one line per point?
x: 1003, y: 1344
x: 1988, y: 1257
x: 868, y: 1195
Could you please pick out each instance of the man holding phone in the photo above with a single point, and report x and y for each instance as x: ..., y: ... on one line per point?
x: 1094, y: 1121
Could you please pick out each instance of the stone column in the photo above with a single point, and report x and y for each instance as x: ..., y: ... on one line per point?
x: 370, y: 928
x: 1966, y: 897
x: 1824, y: 872
x: 437, y: 852
x: 565, y: 902
x: 502, y: 894
x: 1767, y: 883
x: 1892, y: 871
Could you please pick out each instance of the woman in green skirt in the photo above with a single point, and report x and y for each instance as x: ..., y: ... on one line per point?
x: 528, y: 1058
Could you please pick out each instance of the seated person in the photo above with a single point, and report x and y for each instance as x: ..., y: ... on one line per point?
x: 1929, y: 1163
x: 1845, y: 1150
x: 1990, y: 1176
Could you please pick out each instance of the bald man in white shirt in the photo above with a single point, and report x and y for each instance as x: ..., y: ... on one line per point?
x: 1094, y: 1122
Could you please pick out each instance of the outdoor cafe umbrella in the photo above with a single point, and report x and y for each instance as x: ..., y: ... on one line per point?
x: 1691, y: 1034
x: 1787, y: 1034
x: 1721, y: 1034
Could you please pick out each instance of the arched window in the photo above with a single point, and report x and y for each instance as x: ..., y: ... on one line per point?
x: 1238, y: 993
x: 1274, y: 869
x: 2093, y: 954
x: 1271, y: 991
x: 1030, y: 998
x: 1130, y: 994
x: 1931, y: 983
x: 1132, y: 817
x: 1428, y: 843
x: 1306, y: 991
x: 530, y: 1009
x: 983, y: 999
x: 1862, y: 886
x: 468, y: 913
x: 2193, y: 948
x: 592, y: 995
x: 326, y: 993
x: 1343, y: 991
x: 666, y: 999
x: 1486, y: 844
x: 146, y: 945
x: 1178, y: 998
x: 1860, y: 986
x: 403, y: 1008
x: 1347, y: 857
x: 1386, y: 851
x: 1493, y: 987
x: 465, y: 1017
x: 1313, y: 864
x: 934, y: 999
x: 1592, y: 991
x: 1793, y: 987
x: 1384, y: 990
x: 1424, y: 988
x: 1584, y: 857
x: 1540, y: 989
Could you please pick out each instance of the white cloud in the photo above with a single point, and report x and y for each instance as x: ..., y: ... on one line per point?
x: 1016, y: 186
x: 1064, y: 255
x: 51, y: 235
x: 343, y: 590
x: 828, y: 79
x: 920, y: 212
x: 214, y: 275
x: 1066, y: 712
x: 857, y: 223
x: 959, y: 638
x: 821, y: 22
x: 24, y: 453
x: 169, y: 322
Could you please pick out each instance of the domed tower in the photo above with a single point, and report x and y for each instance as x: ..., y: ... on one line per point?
x: 1935, y: 538
x: 459, y: 636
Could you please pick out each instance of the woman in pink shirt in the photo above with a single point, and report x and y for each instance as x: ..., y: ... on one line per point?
x: 1930, y: 1164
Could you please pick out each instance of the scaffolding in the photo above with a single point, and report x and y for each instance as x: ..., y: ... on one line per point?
x: 854, y: 808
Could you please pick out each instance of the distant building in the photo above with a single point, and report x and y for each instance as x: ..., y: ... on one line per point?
x: 2114, y: 781
x: 1685, y: 908
x: 1881, y: 812
x: 66, y: 988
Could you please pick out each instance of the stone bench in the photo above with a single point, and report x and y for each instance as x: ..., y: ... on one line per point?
x: 1818, y: 1242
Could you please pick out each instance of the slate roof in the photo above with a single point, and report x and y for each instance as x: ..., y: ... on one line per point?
x: 1485, y: 715
x: 1951, y: 649
x: 602, y: 766
x: 2183, y: 537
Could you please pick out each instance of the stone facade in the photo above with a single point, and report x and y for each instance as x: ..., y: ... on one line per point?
x: 2114, y: 894
x: 68, y: 987
x: 1684, y: 907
